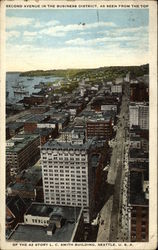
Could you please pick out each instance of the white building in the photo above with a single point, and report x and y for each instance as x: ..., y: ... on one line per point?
x: 67, y: 172
x: 109, y: 107
x: 139, y: 115
x: 116, y: 89
x: 127, y: 78
x: 134, y: 115
x: 119, y: 80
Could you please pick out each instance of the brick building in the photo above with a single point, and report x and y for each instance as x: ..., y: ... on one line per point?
x: 22, y: 151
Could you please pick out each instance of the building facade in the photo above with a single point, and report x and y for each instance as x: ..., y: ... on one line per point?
x: 139, y: 115
x: 22, y: 151
x: 99, y: 129
x: 67, y: 175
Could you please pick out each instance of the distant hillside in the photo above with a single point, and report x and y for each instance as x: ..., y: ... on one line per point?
x: 106, y: 72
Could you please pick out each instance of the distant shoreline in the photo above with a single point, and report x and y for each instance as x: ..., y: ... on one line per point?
x: 70, y: 73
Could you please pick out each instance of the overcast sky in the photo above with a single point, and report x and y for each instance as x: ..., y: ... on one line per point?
x: 52, y: 39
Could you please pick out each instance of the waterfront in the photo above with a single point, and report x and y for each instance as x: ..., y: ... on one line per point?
x: 13, y: 79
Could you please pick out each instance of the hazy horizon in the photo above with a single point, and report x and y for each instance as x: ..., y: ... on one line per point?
x: 84, y: 39
x: 77, y: 68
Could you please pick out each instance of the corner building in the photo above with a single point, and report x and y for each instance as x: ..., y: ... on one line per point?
x: 67, y: 175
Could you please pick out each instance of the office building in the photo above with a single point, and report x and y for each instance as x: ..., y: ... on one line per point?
x: 22, y: 151
x: 139, y: 115
x: 67, y: 175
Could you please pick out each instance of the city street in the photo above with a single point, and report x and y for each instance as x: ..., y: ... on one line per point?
x: 111, y: 213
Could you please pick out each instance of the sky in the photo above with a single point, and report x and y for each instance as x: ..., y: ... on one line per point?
x: 60, y: 39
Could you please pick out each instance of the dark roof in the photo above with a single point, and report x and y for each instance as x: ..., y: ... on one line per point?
x: 33, y: 233
x: 138, y: 153
x: 69, y: 215
x: 43, y: 131
x: 36, y: 118
x: 29, y: 179
x: 137, y: 196
x: 139, y: 165
x: 15, y: 125
x: 16, y: 205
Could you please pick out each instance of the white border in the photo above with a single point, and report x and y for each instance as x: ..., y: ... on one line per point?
x: 152, y: 244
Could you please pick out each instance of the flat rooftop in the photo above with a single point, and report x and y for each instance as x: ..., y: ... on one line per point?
x: 15, y: 125
x: 29, y: 179
x: 97, y: 116
x: 19, y: 142
x: 36, y: 118
x: 35, y: 233
x: 46, y: 210
x: 66, y: 145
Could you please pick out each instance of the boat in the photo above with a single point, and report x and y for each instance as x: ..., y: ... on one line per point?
x: 29, y: 79
x: 21, y: 92
x: 37, y: 86
x: 47, y: 77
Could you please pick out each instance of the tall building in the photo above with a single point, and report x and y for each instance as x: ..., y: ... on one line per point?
x: 139, y: 115
x: 134, y: 115
x: 67, y: 175
x: 144, y: 117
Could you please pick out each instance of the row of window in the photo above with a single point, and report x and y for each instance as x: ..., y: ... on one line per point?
x: 66, y: 179
x: 66, y: 152
x: 65, y: 163
x: 66, y: 202
x: 66, y: 171
x: 83, y: 166
x: 39, y: 221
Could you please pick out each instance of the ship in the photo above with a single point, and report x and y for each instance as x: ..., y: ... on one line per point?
x: 20, y: 90
x: 29, y: 79
x: 39, y: 86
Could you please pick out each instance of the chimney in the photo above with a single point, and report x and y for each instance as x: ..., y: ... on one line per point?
x: 51, y: 229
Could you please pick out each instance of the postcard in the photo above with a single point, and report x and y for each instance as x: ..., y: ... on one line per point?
x: 78, y: 132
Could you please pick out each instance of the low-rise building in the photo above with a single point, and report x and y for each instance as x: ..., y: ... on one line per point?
x: 15, y: 128
x: 33, y: 100
x: 116, y: 89
x: 15, y: 209
x: 46, y: 134
x: 50, y: 223
x: 28, y: 184
x: 31, y: 124
x: 40, y: 109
